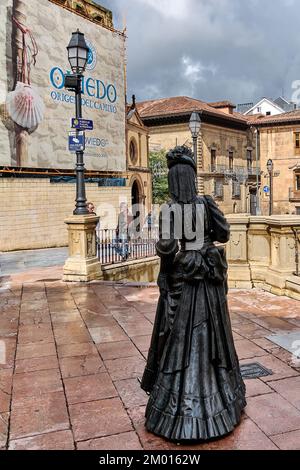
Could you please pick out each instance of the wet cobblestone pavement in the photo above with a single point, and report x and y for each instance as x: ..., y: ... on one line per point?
x: 74, y: 354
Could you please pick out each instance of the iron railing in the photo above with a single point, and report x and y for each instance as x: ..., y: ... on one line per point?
x: 236, y: 170
x: 113, y: 248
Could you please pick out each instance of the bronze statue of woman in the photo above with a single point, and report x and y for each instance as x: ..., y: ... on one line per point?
x: 192, y: 373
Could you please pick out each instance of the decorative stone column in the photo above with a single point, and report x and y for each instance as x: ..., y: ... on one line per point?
x: 239, y: 275
x: 83, y: 264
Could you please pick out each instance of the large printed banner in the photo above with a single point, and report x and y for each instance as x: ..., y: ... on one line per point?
x: 35, y: 108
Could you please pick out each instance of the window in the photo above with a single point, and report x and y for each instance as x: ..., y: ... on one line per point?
x: 218, y: 189
x: 213, y: 159
x: 268, y: 113
x: 230, y: 160
x: 297, y: 141
x: 133, y: 151
x: 236, y: 190
x: 297, y: 181
x: 298, y: 210
x: 249, y: 159
x: 258, y: 109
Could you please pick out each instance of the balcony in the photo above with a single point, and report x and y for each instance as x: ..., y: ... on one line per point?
x: 236, y: 171
x: 294, y: 195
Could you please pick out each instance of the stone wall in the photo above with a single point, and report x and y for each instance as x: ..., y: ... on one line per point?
x: 33, y: 211
x: 261, y: 253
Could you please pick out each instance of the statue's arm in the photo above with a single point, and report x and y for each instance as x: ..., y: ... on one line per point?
x: 219, y: 225
x: 167, y: 246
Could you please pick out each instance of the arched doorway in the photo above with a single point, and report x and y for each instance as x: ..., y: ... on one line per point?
x: 137, y: 206
x: 135, y: 193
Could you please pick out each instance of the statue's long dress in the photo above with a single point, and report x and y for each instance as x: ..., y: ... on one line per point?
x: 192, y: 372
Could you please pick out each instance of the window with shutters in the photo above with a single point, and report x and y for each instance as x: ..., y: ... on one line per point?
x: 213, y: 159
x: 249, y: 159
x: 218, y: 190
x: 230, y: 160
x: 236, y: 190
x: 297, y: 142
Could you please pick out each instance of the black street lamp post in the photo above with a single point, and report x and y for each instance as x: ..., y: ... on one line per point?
x: 270, y: 167
x: 78, y: 56
x: 195, y: 126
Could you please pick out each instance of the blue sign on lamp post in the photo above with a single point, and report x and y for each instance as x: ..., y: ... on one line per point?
x: 76, y: 141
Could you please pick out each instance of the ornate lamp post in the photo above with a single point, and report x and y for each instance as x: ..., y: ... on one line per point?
x: 195, y: 126
x: 78, y: 56
x: 270, y: 167
x: 82, y: 264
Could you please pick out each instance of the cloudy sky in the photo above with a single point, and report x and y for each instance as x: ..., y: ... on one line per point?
x: 210, y: 49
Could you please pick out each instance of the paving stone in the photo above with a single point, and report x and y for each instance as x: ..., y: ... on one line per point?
x: 264, y: 344
x: 80, y: 349
x: 65, y: 316
x: 274, y: 324
x: 124, y: 441
x: 41, y: 333
x: 81, y: 365
x: 107, y: 334
x: 246, y: 349
x: 142, y: 342
x: 251, y: 330
x: 10, y: 345
x: 131, y: 393
x: 61, y: 440
x: 44, y: 414
x: 273, y: 414
x: 35, y: 384
x: 5, y: 389
x: 124, y: 369
x: 94, y: 319
x: 99, y: 418
x: 89, y: 388
x: 35, y: 350
x: 287, y: 440
x: 8, y: 328
x: 34, y: 318
x: 289, y: 341
x: 36, y: 364
x: 289, y: 389
x: 117, y: 350
x: 256, y: 387
x: 69, y: 333
x: 4, y: 417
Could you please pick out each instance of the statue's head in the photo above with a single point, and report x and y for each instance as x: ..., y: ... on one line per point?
x: 182, y: 174
x: 181, y: 155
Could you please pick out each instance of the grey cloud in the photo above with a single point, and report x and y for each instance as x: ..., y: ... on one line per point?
x: 210, y: 49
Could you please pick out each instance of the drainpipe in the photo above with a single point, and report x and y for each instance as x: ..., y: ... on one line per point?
x: 295, y: 232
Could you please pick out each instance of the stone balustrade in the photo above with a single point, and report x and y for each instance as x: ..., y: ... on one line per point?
x: 262, y: 253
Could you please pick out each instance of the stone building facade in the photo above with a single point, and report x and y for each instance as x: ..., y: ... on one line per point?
x: 227, y: 165
x: 280, y: 142
x: 36, y: 201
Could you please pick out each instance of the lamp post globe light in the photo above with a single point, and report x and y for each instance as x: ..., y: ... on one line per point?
x: 78, y: 52
x: 270, y: 167
x: 195, y: 126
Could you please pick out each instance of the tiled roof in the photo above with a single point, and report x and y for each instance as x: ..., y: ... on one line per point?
x: 181, y: 105
x: 291, y: 116
x: 222, y: 104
